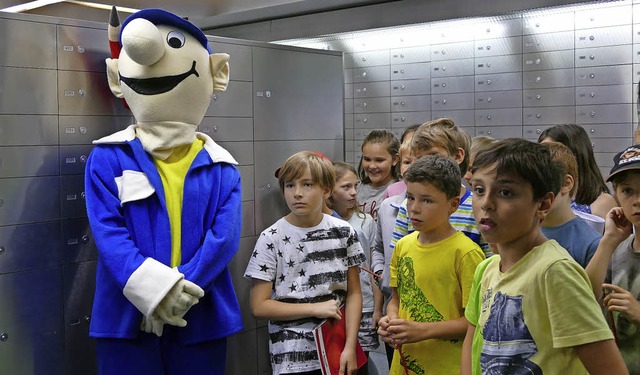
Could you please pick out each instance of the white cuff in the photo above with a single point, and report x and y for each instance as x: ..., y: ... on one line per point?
x: 149, y: 284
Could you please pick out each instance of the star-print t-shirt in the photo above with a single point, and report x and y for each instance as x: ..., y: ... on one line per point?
x: 305, y: 265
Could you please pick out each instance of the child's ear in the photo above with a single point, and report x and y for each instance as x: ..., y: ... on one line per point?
x: 455, y: 202
x: 544, y: 205
x: 567, y: 184
x: 327, y: 193
x: 459, y: 155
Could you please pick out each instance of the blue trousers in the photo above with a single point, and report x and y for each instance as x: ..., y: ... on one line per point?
x: 152, y: 355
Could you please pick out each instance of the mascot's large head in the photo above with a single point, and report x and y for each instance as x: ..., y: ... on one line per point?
x: 166, y: 72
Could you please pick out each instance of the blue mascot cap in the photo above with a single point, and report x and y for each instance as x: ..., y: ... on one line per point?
x: 162, y: 17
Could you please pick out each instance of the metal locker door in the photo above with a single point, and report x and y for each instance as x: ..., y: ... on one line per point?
x: 548, y: 60
x: 282, y: 109
x: 29, y: 200
x: 498, y: 99
x: 82, y: 48
x: 406, y: 119
x: 20, y: 161
x: 371, y: 105
x: 498, y: 82
x: 82, y: 130
x: 77, y: 241
x: 241, y: 284
x: 29, y: 246
x: 18, y: 96
x: 371, y: 74
x: 27, y: 130
x: 79, y: 283
x: 444, y: 102
x: 371, y: 120
x: 498, y: 47
x: 235, y: 102
x: 31, y: 331
x: 246, y: 172
x: 411, y: 87
x: 239, y: 58
x: 371, y: 89
x: 548, y: 42
x: 604, y: 75
x: 73, y: 159
x: 363, y: 59
x: 27, y: 44
x: 410, y: 55
x: 410, y: 71
x: 452, y: 85
x: 227, y: 128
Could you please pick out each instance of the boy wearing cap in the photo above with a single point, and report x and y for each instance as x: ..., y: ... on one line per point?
x: 614, y: 270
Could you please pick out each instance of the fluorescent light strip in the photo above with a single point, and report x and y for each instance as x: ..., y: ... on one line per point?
x: 29, y: 6
x: 103, y: 6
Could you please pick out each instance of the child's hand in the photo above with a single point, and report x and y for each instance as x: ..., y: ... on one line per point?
x: 383, y: 324
x: 348, y: 362
x: 403, y: 331
x: 327, y: 309
x: 616, y: 225
x: 621, y: 300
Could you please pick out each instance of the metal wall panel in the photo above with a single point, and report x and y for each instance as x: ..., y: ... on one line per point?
x: 27, y: 44
x: 605, y: 36
x: 548, y: 60
x: 73, y: 159
x: 562, y: 96
x: 28, y: 91
x: 411, y: 87
x: 248, y: 224
x: 499, y: 117
x: 82, y: 130
x: 548, y: 42
x: 595, y: 131
x: 246, y: 172
x: 363, y: 59
x: 227, y: 128
x: 78, y: 285
x: 235, y: 102
x: 613, y: 94
x: 443, y: 102
x: 498, y: 64
x: 498, y: 82
x: 371, y: 89
x: 452, y: 84
x: 548, y: 78
x: 410, y: 55
x: 448, y: 68
x: 241, y: 151
x: 611, y: 145
x: 26, y: 130
x: 602, y: 114
x: 602, y: 17
x: 28, y: 161
x: 411, y: 71
x: 498, y: 27
x: 29, y: 200
x: 498, y: 99
x: 87, y: 93
x: 498, y: 47
x: 533, y: 132
x: 288, y: 110
x: 31, y: 323
x: 371, y: 74
x: 71, y: 198
x: 603, y: 56
x: 237, y: 347
x: 547, y: 22
x: 372, y: 105
x: 30, y: 246
x: 404, y: 119
x: 240, y: 62
x: 604, y: 75
x: 499, y: 132
x: 414, y: 103
x: 82, y: 48
x: 548, y: 115
x: 464, y: 117
x: 452, y: 51
x: 372, y: 120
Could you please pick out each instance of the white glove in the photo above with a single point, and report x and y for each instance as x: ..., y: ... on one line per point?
x: 152, y: 324
x: 180, y: 298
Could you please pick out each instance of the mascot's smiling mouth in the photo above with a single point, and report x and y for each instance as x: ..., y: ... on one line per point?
x: 157, y: 85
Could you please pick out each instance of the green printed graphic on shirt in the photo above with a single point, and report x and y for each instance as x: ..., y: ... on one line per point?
x: 411, y: 297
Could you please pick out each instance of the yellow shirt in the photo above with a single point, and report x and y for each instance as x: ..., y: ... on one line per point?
x: 433, y: 284
x: 173, y: 171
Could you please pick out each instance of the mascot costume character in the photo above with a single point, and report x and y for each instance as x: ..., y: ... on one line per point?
x: 164, y: 206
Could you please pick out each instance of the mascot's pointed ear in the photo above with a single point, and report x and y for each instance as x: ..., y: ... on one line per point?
x: 219, y: 71
x: 114, y: 77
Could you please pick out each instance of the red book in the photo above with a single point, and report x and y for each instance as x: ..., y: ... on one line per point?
x: 330, y: 336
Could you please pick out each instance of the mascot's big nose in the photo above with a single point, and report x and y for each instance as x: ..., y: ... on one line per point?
x: 142, y: 41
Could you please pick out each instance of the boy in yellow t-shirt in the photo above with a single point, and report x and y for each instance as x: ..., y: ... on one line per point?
x: 430, y: 275
x: 532, y: 309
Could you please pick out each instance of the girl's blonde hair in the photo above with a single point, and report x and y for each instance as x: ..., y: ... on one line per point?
x: 322, y: 172
x: 341, y: 169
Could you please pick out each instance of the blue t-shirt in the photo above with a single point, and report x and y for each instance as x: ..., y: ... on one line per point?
x: 580, y: 239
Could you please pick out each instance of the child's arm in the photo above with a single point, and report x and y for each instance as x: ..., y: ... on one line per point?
x: 465, y: 360
x: 616, y: 229
x: 378, y: 302
x: 392, y: 313
x: 602, y: 358
x: 407, y: 331
x: 263, y: 307
x: 353, y: 314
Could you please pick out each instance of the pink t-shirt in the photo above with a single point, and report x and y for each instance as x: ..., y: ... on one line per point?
x: 396, y: 188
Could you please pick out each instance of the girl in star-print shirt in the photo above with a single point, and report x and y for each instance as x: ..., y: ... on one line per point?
x: 303, y: 268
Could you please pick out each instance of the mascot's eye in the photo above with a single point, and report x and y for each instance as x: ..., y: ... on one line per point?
x: 175, y: 39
